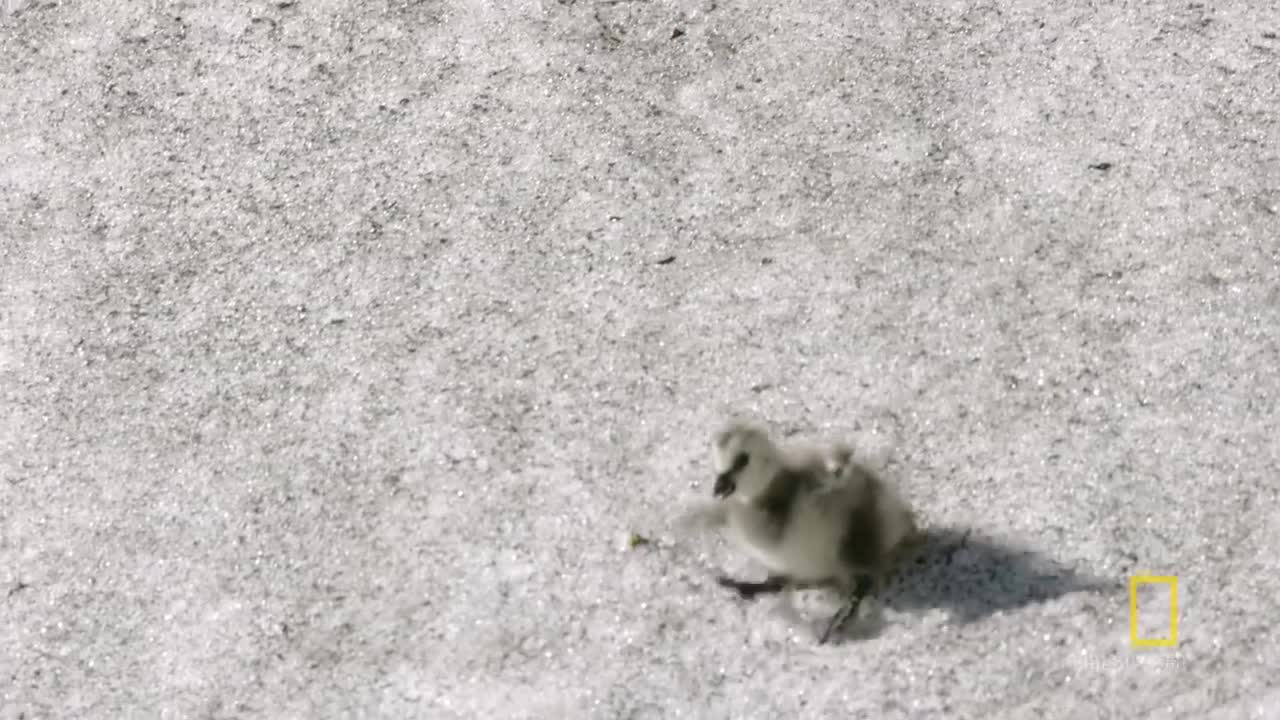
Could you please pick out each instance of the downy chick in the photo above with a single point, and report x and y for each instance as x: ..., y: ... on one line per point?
x: 812, y: 518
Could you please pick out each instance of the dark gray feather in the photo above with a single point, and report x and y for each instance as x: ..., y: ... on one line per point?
x: 860, y: 546
x: 779, y: 498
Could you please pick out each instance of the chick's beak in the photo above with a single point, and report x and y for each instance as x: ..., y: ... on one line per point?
x: 725, y: 485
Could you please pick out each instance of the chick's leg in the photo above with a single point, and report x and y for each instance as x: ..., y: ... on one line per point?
x: 771, y: 584
x: 748, y: 590
x: 862, y: 587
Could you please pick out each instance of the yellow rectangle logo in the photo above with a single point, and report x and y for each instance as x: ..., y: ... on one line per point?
x: 1172, y: 582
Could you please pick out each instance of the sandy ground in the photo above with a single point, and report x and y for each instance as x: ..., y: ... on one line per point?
x: 343, y: 346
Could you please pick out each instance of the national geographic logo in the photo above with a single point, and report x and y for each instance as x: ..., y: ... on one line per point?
x: 1137, y: 581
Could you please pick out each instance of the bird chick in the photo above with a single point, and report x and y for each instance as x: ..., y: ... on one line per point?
x: 813, y: 518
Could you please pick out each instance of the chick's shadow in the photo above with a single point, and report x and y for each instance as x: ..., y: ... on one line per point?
x: 973, y: 577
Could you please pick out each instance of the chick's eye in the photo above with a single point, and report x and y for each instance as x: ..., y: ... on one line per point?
x: 740, y: 462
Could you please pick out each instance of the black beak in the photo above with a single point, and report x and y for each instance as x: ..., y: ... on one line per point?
x: 727, y: 481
